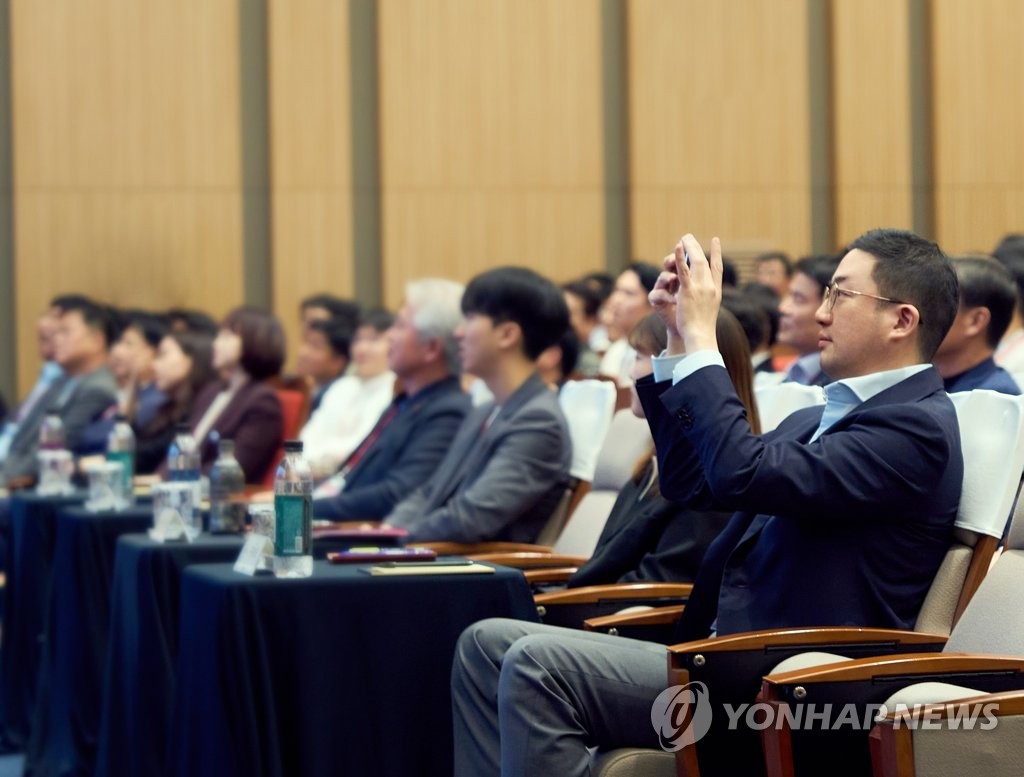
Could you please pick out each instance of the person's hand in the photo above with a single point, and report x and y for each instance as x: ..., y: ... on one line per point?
x: 699, y: 294
x: 663, y: 301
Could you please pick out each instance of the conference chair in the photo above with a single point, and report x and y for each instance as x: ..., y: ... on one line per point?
x: 778, y: 400
x: 992, y: 437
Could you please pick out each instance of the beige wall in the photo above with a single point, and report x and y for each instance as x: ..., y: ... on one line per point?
x: 127, y: 138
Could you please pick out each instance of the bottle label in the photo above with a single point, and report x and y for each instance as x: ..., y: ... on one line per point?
x: 127, y: 459
x: 293, y: 529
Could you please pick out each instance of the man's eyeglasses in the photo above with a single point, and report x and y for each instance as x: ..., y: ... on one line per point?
x: 833, y: 291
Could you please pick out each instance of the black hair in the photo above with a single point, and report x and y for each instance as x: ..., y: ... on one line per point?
x: 96, y: 316
x: 263, y: 343
x: 752, y: 316
x: 730, y: 277
x: 569, y: 344
x: 151, y: 326
x: 647, y: 273
x: 776, y: 256
x: 521, y: 296
x: 346, y: 310
x: 337, y: 334
x: 986, y: 283
x: 601, y: 282
x: 587, y: 294
x: 379, y: 318
x: 819, y: 268
x: 765, y: 297
x: 186, y: 320
x: 914, y: 270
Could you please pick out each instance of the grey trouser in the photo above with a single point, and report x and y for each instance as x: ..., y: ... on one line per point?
x: 533, y: 700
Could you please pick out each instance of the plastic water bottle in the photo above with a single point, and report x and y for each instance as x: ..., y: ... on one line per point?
x: 227, y: 491
x: 184, y: 466
x: 121, y: 447
x: 293, y: 508
x: 51, y: 433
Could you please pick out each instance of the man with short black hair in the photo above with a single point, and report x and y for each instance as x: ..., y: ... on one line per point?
x: 844, y: 512
x: 988, y: 295
x: 80, y: 396
x: 798, y: 327
x: 323, y: 356
x: 320, y: 307
x: 774, y: 269
x: 508, y: 466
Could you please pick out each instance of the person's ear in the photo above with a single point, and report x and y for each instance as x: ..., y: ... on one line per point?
x: 976, y: 321
x: 908, y: 321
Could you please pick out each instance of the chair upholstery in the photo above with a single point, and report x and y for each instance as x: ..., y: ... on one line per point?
x: 588, y: 406
x: 992, y: 430
x: 627, y: 440
x: 778, y: 400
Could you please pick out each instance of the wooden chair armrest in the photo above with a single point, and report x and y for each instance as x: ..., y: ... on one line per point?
x: 345, y: 525
x: 529, y: 560
x: 824, y: 639
x: 595, y: 593
x: 549, y: 575
x: 473, y: 549
x: 20, y: 483
x: 909, y: 665
x: 656, y: 616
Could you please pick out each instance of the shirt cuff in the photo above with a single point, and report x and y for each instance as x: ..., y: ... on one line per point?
x: 688, y: 365
x: 663, y: 366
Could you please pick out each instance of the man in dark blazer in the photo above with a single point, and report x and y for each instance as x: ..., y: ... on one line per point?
x: 844, y: 512
x: 508, y: 466
x: 413, y: 435
x: 80, y: 396
x: 798, y: 327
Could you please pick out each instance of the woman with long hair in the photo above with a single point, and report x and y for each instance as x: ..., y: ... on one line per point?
x: 647, y: 538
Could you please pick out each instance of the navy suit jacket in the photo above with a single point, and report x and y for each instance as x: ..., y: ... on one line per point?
x: 986, y: 375
x: 403, y: 457
x: 846, y: 531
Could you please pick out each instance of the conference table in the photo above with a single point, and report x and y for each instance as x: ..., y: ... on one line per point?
x: 338, y: 673
x: 65, y: 718
x: 30, y: 533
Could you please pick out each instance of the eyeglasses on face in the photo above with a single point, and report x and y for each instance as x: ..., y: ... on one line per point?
x: 833, y: 291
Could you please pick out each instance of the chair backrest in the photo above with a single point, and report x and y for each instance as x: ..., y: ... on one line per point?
x: 293, y: 411
x: 588, y: 406
x: 991, y: 427
x: 776, y: 401
x: 627, y: 440
x: 580, y: 535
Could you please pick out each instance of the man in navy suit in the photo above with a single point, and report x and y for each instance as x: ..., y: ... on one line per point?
x: 844, y: 512
x: 414, y: 433
x: 798, y: 326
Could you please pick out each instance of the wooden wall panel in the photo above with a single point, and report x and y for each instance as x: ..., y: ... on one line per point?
x: 718, y: 123
x: 490, y: 138
x: 126, y: 155
x: 979, y: 112
x: 310, y: 141
x: 872, y: 116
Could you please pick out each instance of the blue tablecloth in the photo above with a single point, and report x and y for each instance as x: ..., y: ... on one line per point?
x: 341, y: 673
x: 65, y: 722
x: 31, y: 534
x: 138, y: 685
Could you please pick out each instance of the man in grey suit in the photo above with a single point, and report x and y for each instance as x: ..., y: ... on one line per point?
x: 508, y: 465
x: 80, y: 396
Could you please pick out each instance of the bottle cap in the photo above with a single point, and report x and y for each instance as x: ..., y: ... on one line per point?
x: 293, y: 446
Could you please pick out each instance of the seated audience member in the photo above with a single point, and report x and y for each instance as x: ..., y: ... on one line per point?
x: 46, y: 327
x: 753, y: 318
x: 774, y: 270
x: 508, y: 466
x: 80, y: 396
x: 351, y: 406
x: 241, y: 406
x: 323, y: 356
x: 646, y: 537
x: 1010, y: 353
x: 131, y: 358
x: 323, y: 307
x: 557, y: 363
x: 584, y: 305
x: 185, y: 320
x: 181, y: 370
x: 412, y: 436
x: 988, y: 296
x: 845, y: 512
x: 730, y: 277
x: 798, y: 326
x: 626, y: 306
